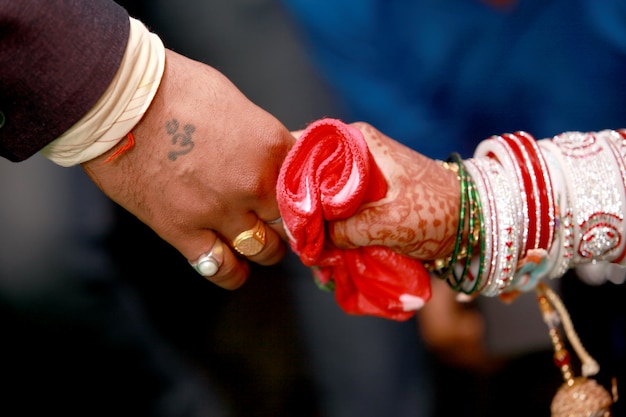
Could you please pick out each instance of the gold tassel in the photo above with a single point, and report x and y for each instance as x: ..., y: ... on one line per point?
x: 578, y: 396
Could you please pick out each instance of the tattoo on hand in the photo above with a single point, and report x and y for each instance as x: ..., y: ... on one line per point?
x: 181, y: 139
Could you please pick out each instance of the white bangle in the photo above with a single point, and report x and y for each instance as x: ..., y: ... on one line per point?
x: 616, y: 141
x: 593, y: 179
x: 497, y: 147
x: 508, y: 227
x: 505, y: 227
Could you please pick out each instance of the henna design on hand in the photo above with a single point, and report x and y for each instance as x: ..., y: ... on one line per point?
x: 419, y: 215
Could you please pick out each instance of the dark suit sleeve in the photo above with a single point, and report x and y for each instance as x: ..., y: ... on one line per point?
x: 57, y: 57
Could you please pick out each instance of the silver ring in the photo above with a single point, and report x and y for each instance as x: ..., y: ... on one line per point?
x: 275, y: 221
x: 209, y: 263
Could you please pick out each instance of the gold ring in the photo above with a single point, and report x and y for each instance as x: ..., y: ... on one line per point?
x: 252, y: 241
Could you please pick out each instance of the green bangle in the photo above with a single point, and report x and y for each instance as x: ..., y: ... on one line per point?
x: 471, y: 240
x: 460, y: 249
x: 475, y: 235
x: 446, y: 272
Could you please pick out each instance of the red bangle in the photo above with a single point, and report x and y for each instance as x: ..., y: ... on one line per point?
x: 525, y: 186
x: 545, y: 189
x: 530, y: 184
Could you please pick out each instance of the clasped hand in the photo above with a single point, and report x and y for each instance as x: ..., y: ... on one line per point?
x: 205, y: 165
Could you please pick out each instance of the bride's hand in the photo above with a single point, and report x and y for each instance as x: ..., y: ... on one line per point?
x: 419, y: 215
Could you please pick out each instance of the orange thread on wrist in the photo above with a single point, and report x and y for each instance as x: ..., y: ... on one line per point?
x: 130, y: 142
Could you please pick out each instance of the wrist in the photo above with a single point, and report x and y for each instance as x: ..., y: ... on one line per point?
x: 121, y: 106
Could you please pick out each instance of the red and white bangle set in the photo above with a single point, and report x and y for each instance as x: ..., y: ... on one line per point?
x: 547, y: 206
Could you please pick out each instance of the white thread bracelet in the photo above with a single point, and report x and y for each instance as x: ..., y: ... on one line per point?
x: 122, y: 105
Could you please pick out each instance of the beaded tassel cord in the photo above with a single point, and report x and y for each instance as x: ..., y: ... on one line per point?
x: 578, y: 396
